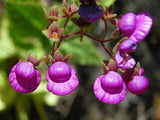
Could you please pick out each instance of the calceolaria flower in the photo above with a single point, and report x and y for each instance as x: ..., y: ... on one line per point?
x: 62, y: 79
x: 90, y: 11
x: 123, y: 57
x: 24, y: 77
x: 124, y: 60
x: 110, y: 88
x: 136, y: 27
x: 138, y: 84
x: 128, y: 46
x: 53, y: 32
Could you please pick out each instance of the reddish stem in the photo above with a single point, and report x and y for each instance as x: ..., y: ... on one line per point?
x: 109, y: 40
x: 53, y: 45
x: 61, y: 39
x: 49, y: 24
x: 107, y: 51
x: 102, y: 43
x: 93, y: 38
x: 81, y: 34
x: 70, y: 35
x: 105, y: 32
x: 65, y: 24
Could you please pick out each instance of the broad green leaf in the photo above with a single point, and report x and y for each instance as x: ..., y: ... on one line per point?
x: 26, y: 20
x: 106, y: 3
x: 83, y: 53
x: 7, y: 48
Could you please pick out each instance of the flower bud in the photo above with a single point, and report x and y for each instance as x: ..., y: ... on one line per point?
x: 138, y: 84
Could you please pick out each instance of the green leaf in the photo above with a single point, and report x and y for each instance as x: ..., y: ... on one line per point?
x: 106, y: 3
x: 26, y: 20
x: 7, y: 47
x: 83, y: 53
x: 7, y: 94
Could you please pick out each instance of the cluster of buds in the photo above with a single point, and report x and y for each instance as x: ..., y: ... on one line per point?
x: 121, y: 72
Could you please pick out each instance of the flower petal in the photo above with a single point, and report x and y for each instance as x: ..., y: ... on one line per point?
x: 124, y: 62
x: 143, y: 25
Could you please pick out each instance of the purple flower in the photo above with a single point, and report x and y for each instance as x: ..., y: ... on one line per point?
x: 90, y: 11
x: 24, y: 78
x: 122, y: 57
x: 62, y: 79
x: 124, y: 60
x: 128, y: 46
x: 138, y: 84
x: 136, y: 27
x: 110, y: 88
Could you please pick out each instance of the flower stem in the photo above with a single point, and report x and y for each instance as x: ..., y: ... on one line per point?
x: 109, y: 40
x: 105, y: 32
x: 81, y: 34
x: 93, y: 38
x: 52, y: 52
x: 102, y: 43
x: 60, y: 41
x: 107, y: 51
x: 65, y: 24
x: 70, y: 35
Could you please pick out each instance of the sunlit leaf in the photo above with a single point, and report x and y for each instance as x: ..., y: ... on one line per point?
x: 26, y: 22
x: 106, y: 3
x: 7, y: 48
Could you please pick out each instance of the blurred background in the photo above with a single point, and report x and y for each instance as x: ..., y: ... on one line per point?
x: 21, y: 23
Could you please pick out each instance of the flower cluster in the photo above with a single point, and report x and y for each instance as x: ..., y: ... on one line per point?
x: 109, y: 88
x: 121, y: 72
x: 61, y: 77
x: 136, y: 28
